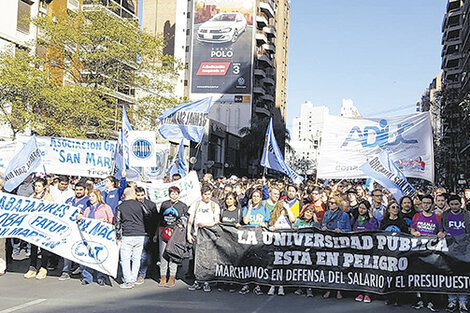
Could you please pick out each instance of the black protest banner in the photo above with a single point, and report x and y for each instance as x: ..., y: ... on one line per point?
x: 377, y: 262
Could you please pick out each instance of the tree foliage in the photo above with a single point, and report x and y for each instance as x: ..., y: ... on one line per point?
x: 22, y: 83
x: 92, y: 57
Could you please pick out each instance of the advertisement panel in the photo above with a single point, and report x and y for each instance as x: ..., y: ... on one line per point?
x: 222, y: 48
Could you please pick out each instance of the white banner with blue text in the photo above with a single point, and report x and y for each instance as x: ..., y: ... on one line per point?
x: 347, y: 143
x: 54, y: 227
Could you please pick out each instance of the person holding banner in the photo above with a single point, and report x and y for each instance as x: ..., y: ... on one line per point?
x: 255, y: 214
x: 81, y: 201
x: 202, y: 213
x: 455, y: 223
x: 338, y: 221
x: 97, y: 209
x: 408, y: 210
x: 425, y: 223
x: 173, y: 213
x: 364, y: 221
x: 281, y: 218
x: 40, y: 192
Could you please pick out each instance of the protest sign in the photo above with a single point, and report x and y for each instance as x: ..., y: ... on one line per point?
x: 79, y: 157
x: 22, y: 164
x: 53, y: 226
x: 378, y: 262
x: 85, y: 157
x: 190, y: 190
x: 141, y: 148
x: 348, y: 142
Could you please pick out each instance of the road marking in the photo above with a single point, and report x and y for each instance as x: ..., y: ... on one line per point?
x: 22, y: 306
x: 259, y: 308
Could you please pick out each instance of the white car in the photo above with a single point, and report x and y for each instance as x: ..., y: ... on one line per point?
x: 222, y: 27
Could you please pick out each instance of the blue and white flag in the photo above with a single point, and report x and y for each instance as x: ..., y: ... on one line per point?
x: 178, y: 165
x: 272, y: 157
x: 386, y: 173
x: 124, y: 141
x: 22, y: 164
x: 369, y: 185
x: 118, y: 158
x: 186, y: 120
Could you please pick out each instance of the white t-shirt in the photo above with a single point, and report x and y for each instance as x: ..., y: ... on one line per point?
x: 204, y: 213
x: 61, y: 196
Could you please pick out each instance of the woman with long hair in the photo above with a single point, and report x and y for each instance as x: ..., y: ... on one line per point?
x: 393, y: 222
x: 364, y: 221
x: 230, y: 212
x: 337, y: 221
x: 281, y: 218
x: 40, y: 192
x: 255, y: 214
x: 100, y: 211
x: 308, y: 218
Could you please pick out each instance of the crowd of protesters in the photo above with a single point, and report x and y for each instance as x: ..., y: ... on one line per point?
x: 144, y: 230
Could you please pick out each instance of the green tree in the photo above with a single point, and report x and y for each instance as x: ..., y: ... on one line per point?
x: 91, y: 57
x: 22, y: 82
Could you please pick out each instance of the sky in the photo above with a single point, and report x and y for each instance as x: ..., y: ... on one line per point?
x: 382, y: 54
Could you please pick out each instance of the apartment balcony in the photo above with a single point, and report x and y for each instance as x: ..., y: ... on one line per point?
x: 259, y: 72
x: 261, y: 36
x: 262, y: 19
x: 267, y: 6
x: 268, y: 81
x: 263, y: 57
x: 270, y: 30
x: 269, y: 47
x: 452, y: 71
x: 258, y: 89
x: 455, y: 27
x: 262, y: 110
x: 268, y: 97
x: 452, y: 58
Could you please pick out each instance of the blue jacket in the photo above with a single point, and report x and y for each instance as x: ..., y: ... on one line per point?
x: 112, y: 197
x: 337, y: 219
x: 82, y: 204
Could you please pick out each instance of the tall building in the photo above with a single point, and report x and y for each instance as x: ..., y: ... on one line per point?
x: 243, y: 66
x: 306, y: 138
x: 453, y: 153
x: 348, y: 109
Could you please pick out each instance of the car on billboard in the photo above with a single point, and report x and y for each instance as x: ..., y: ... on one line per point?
x: 222, y: 27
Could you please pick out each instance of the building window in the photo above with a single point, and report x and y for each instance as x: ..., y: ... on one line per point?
x: 186, y: 82
x: 24, y: 15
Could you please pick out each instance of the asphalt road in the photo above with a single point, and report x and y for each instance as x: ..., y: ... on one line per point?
x: 53, y: 296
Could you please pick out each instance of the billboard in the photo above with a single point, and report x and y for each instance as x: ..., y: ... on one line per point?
x: 222, y: 47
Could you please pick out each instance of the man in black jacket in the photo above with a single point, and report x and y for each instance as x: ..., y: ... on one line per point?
x: 130, y: 232
x: 151, y: 226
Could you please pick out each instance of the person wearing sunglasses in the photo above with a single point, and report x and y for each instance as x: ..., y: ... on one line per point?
x: 338, y: 221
